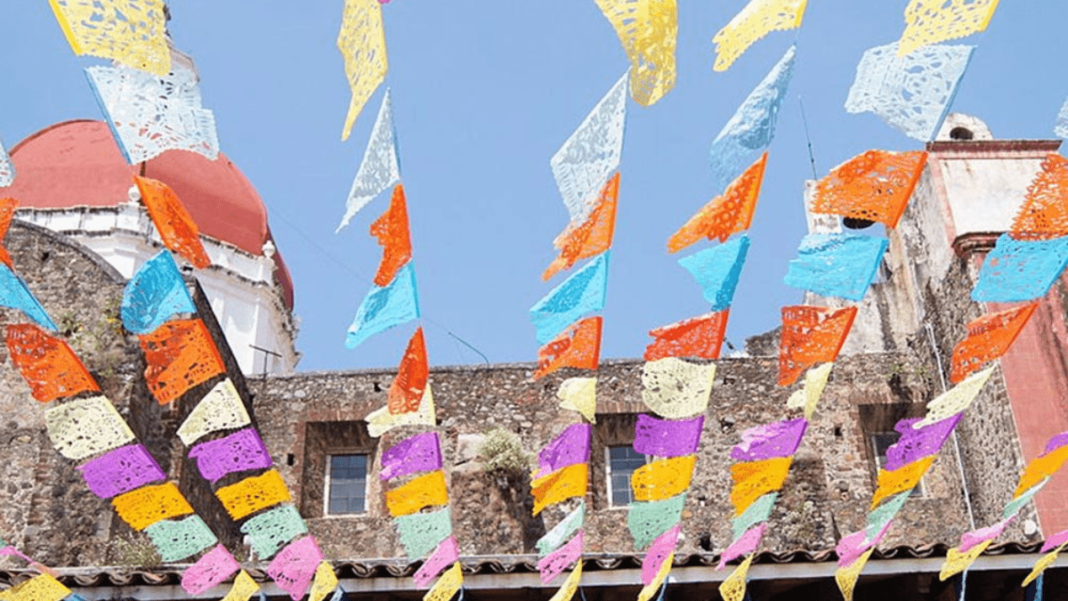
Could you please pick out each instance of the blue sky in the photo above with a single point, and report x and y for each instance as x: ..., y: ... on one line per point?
x: 484, y: 93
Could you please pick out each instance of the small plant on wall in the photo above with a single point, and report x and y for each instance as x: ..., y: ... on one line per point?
x: 502, y: 455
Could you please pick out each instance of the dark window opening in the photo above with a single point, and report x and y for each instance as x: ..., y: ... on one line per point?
x: 622, y: 462
x: 961, y: 133
x: 346, y: 485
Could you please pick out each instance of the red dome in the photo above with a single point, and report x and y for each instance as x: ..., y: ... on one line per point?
x: 77, y: 163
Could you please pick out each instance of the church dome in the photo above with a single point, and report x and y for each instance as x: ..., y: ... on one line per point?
x: 77, y: 164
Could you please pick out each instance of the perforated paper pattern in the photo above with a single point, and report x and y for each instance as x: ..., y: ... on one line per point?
x: 755, y: 479
x: 121, y: 471
x: 1061, y: 129
x: 7, y: 205
x: 241, y: 451
x: 243, y: 589
x: 554, y: 564
x: 253, y: 494
x: 811, y: 335
x: 419, y: 453
x: 448, y: 585
x: 580, y: 294
x: 130, y: 32
x: 406, y: 390
x: 662, y: 548
x: 569, y: 447
x: 647, y: 521
x: 427, y: 490
x: 837, y: 265
x: 590, y: 238
x: 146, y: 506
x: 85, y: 427
x: 911, y: 93
x: 696, y: 338
x: 717, y: 270
x: 648, y: 30
x: 154, y: 294
x: 757, y: 512
x: 579, y: 346
x: 970, y: 539
x: 380, y: 167
x: 917, y: 443
x: 1040, y: 468
x: 662, y: 479
x: 271, y: 530
x: 570, y: 586
x: 677, y: 389
x: 756, y: 20
x: 7, y: 168
x: 590, y: 156
x: 847, y: 577
x: 1020, y: 270
x: 1053, y: 541
x: 15, y: 294
x: 445, y: 555
x: 212, y: 569
x: 752, y: 127
x: 180, y: 355
x: 563, y: 530
x: 874, y: 186
x: 1013, y: 507
x: 746, y: 544
x: 220, y: 409
x: 579, y: 394
x: 420, y: 533
x: 957, y: 562
x: 933, y: 21
x: 1043, y: 214
x: 900, y: 480
x: 324, y: 583
x: 809, y: 396
x: 957, y: 399
x: 381, y: 420
x: 173, y: 222
x: 989, y: 337
x: 294, y: 567
x: 664, y: 438
x: 879, y: 518
x: 768, y: 441
x: 43, y: 587
x: 391, y: 230
x: 559, y: 486
x: 48, y: 364
x: 1042, y: 565
x: 180, y: 539
x: 727, y: 214
x: 734, y: 586
x: 150, y: 114
x: 385, y: 307
x: 362, y: 43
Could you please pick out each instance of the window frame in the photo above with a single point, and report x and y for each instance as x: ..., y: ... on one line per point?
x: 608, y: 475
x: 328, y: 469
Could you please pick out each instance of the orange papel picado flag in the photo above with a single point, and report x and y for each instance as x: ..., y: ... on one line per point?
x: 578, y: 346
x: 180, y: 355
x: 873, y: 186
x: 47, y: 363
x: 699, y: 337
x: 811, y: 335
x: 590, y: 238
x: 727, y: 214
x: 173, y: 222
x: 989, y: 337
x: 391, y: 230
x: 406, y: 391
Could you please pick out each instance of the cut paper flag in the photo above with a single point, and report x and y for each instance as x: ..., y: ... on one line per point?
x: 649, y: 590
x: 756, y: 20
x: 662, y: 548
x: 391, y: 230
x: 445, y: 555
x: 385, y: 307
x: 130, y: 33
x: 559, y: 486
x: 666, y: 438
x: 956, y: 399
x: 243, y: 589
x: 43, y: 587
x: 380, y: 167
x: 427, y: 490
x: 809, y: 396
x: 769, y: 441
x: 570, y: 447
x: 579, y: 346
x: 647, y: 521
x: 293, y: 569
x: 759, y: 511
x: 696, y: 338
x: 730, y: 213
x: 755, y: 479
x: 150, y: 114
x: 120, y: 471
x: 934, y: 21
x: 734, y: 586
x: 14, y: 294
x: 989, y: 337
x: 677, y: 389
x: 48, y: 364
x: 846, y: 576
x: 590, y: 238
x: 579, y: 295
x: 418, y: 453
x: 381, y: 420
x: 86, y: 427
x: 648, y: 31
x: 836, y: 265
x: 554, y: 564
x: 239, y: 452
x: 448, y: 585
x: 746, y: 544
x: 873, y: 186
x: 7, y: 206
x: 151, y: 504
x: 1044, y: 213
x: 253, y: 494
x: 220, y: 409
x: 916, y: 443
x: 173, y: 222
x: 180, y: 355
x: 717, y: 270
x: 1020, y: 270
x: 563, y: 530
x: 420, y: 533
x: 811, y: 335
x: 7, y: 168
x: 588, y: 158
x: 662, y: 479
x: 567, y: 590
x: 362, y: 43
x: 271, y: 530
x: 579, y: 394
x: 407, y: 389
x: 176, y: 540
x: 212, y: 569
x: 154, y: 294
x: 911, y: 93
x: 325, y: 582
x: 752, y: 127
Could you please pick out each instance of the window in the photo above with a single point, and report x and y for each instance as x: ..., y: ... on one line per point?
x: 622, y: 461
x: 346, y: 484
x: 880, y: 442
